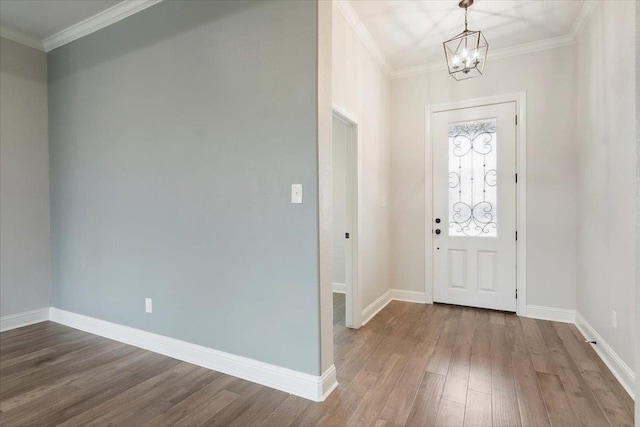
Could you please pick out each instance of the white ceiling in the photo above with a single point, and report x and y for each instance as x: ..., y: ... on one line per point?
x: 41, y: 19
x: 405, y: 36
x: 409, y: 33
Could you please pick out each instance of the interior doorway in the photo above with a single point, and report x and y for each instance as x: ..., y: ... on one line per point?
x: 475, y: 200
x: 345, y: 220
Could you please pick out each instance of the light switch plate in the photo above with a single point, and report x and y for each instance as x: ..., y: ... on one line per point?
x: 296, y: 193
x: 147, y: 305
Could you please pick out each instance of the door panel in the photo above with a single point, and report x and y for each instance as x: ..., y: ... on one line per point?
x: 474, y: 206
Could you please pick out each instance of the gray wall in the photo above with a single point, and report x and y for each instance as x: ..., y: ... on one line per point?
x: 24, y: 179
x: 175, y: 137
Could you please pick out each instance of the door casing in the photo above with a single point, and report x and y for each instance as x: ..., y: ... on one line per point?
x: 353, y: 305
x: 520, y: 98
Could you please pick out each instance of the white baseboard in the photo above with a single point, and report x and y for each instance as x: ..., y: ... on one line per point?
x: 311, y: 387
x: 616, y: 365
x: 339, y: 288
x: 391, y: 295
x: 329, y: 381
x: 551, y: 313
x: 25, y: 318
x: 408, y: 296
x: 374, y: 308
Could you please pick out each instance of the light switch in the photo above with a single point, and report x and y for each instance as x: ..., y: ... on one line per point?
x: 296, y: 193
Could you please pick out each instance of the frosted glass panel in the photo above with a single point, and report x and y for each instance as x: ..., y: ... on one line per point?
x: 473, y: 178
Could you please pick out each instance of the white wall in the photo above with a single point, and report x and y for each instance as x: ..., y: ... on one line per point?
x: 637, y: 318
x: 605, y: 133
x: 24, y: 179
x: 360, y: 86
x: 339, y: 168
x: 637, y: 349
x: 547, y: 77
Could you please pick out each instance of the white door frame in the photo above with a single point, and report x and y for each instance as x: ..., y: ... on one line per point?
x: 352, y: 309
x: 520, y: 98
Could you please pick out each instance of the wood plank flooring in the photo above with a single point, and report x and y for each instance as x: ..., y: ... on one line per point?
x: 413, y: 364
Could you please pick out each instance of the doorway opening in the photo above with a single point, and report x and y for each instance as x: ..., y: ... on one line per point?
x: 345, y: 220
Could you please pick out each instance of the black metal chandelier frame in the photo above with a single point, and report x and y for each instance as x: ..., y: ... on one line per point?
x: 466, y: 52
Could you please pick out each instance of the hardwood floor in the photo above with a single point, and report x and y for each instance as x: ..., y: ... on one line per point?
x: 413, y: 364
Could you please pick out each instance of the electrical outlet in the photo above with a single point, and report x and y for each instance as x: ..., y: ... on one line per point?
x: 148, y: 305
x: 614, y: 320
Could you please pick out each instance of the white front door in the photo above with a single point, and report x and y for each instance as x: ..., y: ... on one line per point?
x: 474, y: 206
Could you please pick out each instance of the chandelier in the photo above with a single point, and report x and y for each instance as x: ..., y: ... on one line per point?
x: 466, y: 53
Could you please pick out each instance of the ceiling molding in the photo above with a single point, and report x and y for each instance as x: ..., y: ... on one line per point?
x: 506, y: 52
x: 18, y: 37
x: 360, y: 29
x: 103, y: 19
x: 583, y: 18
x: 358, y: 26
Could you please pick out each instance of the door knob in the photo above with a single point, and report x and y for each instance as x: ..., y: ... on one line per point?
x: 437, y: 220
x: 438, y: 231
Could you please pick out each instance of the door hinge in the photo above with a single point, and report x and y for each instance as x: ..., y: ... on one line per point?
x: 516, y: 294
x: 516, y: 178
x: 346, y: 235
x: 516, y: 235
x: 516, y: 119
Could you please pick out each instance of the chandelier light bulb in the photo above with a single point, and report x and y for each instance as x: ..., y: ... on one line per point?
x: 466, y: 52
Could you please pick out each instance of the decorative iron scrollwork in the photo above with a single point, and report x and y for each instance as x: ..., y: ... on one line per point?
x: 473, y: 178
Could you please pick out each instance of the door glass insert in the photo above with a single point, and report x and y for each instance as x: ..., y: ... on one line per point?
x: 473, y: 178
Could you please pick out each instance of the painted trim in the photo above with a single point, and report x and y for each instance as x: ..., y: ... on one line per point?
x: 408, y: 296
x: 25, y: 318
x: 352, y: 18
x: 375, y: 307
x: 553, y: 314
x: 391, y: 295
x: 507, y: 52
x: 129, y: 7
x: 623, y: 373
x: 101, y: 20
x: 583, y: 17
x: 18, y: 37
x: 353, y: 315
x: 339, y: 288
x: 308, y: 386
x: 347, y: 116
x: 329, y: 382
x: 520, y: 98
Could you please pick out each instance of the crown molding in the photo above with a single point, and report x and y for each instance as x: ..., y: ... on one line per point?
x: 103, y: 19
x: 18, y: 37
x: 506, y: 52
x: 583, y: 17
x: 344, y: 6
x: 350, y: 15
